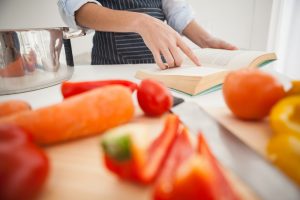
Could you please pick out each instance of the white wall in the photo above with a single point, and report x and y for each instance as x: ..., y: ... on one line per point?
x: 242, y: 22
x: 245, y: 23
x: 29, y: 14
x: 262, y: 12
x: 292, y: 61
x: 284, y: 36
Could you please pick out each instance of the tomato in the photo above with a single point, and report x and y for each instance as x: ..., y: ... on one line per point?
x: 23, y: 166
x: 154, y: 98
x: 251, y: 93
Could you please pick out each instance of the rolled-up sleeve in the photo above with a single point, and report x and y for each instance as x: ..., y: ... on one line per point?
x: 67, y: 9
x: 178, y: 14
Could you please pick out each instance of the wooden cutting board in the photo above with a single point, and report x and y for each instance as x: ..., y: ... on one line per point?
x: 255, y: 134
x: 77, y: 172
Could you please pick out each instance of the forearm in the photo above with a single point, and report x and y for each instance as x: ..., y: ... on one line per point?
x: 196, y: 33
x: 100, y: 18
x: 203, y: 39
x: 158, y: 36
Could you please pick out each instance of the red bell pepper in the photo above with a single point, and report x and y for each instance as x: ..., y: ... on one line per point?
x: 126, y: 158
x: 23, y: 166
x: 69, y: 89
x: 192, y: 175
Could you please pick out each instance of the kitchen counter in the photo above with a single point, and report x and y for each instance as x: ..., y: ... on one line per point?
x: 50, y: 95
x: 75, y: 166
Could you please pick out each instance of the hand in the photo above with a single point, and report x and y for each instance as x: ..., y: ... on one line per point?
x: 202, y: 38
x: 30, y: 60
x: 158, y: 36
x: 55, y: 47
x: 161, y: 39
x: 216, y: 43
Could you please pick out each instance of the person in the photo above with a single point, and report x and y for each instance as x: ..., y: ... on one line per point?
x: 134, y: 32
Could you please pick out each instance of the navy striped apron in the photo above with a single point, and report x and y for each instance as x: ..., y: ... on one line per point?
x: 125, y: 48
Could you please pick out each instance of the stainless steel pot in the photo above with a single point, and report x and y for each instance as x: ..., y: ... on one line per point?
x: 32, y: 59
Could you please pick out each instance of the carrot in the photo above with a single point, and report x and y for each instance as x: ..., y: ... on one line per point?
x: 13, y: 106
x: 82, y: 115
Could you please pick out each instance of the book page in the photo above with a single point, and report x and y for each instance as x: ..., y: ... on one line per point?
x: 220, y: 58
x: 186, y: 71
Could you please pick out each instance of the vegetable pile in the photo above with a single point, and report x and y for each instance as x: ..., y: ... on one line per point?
x: 175, y: 168
x: 171, y: 162
x: 24, y: 166
x: 253, y: 95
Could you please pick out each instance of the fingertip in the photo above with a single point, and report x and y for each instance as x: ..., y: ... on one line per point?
x: 197, y: 61
x: 171, y: 65
x: 178, y: 65
x: 230, y: 46
x: 162, y: 66
x: 234, y: 48
x: 158, y: 61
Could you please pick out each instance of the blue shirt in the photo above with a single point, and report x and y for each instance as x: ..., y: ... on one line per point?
x: 178, y: 12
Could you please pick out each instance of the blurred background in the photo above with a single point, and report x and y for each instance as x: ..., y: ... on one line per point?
x: 272, y: 25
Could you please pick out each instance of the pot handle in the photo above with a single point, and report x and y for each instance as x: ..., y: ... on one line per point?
x: 68, y: 52
x: 67, y: 34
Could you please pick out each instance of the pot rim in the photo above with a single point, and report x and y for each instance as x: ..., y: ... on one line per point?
x: 35, y: 29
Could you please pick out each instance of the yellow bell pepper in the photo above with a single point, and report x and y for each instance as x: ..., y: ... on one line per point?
x: 284, y: 151
x: 295, y: 89
x: 285, y: 116
x: 284, y: 147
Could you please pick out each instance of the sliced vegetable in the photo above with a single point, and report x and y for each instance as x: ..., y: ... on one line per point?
x: 128, y: 154
x: 284, y: 151
x: 118, y: 148
x: 69, y: 89
x: 154, y: 98
x: 192, y: 175
x: 82, y: 115
x: 180, y: 152
x: 23, y: 166
x: 13, y: 106
x: 285, y: 116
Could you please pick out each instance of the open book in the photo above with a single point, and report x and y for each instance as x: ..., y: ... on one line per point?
x: 216, y: 64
